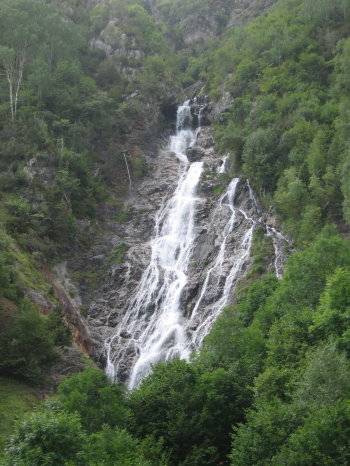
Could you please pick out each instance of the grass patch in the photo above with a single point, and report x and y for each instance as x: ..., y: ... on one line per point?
x: 223, y: 180
x: 123, y: 216
x: 219, y: 189
x: 16, y: 398
x: 28, y: 274
x: 117, y: 255
x: 262, y: 253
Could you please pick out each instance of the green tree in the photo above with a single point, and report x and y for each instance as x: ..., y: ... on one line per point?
x: 323, y: 439
x: 291, y: 195
x: 165, y: 405
x: 254, y: 297
x: 33, y: 38
x: 59, y: 330
x: 26, y: 347
x: 8, y: 274
x: 97, y: 400
x: 47, y: 438
x: 325, y: 378
x: 118, y: 448
x: 266, y: 430
x: 307, y: 272
x: 345, y: 184
x: 261, y: 158
x: 332, y: 315
x: 317, y: 155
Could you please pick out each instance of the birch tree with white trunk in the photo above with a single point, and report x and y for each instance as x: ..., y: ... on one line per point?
x: 12, y: 67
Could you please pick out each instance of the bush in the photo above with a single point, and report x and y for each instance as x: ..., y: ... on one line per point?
x: 97, y: 400
x: 48, y: 438
x: 27, y: 347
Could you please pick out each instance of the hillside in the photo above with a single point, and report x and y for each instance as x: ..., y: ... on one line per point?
x: 198, y: 252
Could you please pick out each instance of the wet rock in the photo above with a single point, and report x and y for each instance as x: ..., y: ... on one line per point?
x: 194, y: 154
x: 205, y: 139
x: 98, y: 260
x: 213, y: 218
x: 201, y: 111
x: 194, y: 89
x: 221, y: 106
x: 190, y: 292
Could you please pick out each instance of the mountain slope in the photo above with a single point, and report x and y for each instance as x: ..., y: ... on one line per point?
x: 271, y: 383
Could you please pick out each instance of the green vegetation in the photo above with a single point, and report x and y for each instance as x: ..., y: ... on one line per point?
x: 66, y: 110
x: 8, y: 288
x: 275, y: 368
x: 116, y: 256
x: 279, y: 352
x: 65, y: 114
x: 28, y: 340
x: 271, y: 384
x: 287, y: 72
x: 84, y: 425
x: 16, y: 398
x: 27, y: 344
x: 222, y: 180
x: 261, y: 253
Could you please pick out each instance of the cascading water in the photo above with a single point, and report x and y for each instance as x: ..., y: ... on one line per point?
x: 154, y: 316
x: 278, y: 241
x: 236, y: 261
x: 226, y: 200
x: 159, y: 322
x: 222, y: 168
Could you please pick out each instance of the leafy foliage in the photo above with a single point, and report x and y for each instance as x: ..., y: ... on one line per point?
x: 271, y: 384
x: 46, y: 438
x: 27, y: 346
x: 83, y: 426
x: 95, y: 399
x: 65, y: 113
x: 286, y: 124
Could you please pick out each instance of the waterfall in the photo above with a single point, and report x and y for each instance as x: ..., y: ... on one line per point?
x: 168, y: 316
x: 278, y: 241
x: 222, y: 168
x: 227, y: 199
x: 154, y: 317
x: 237, y: 261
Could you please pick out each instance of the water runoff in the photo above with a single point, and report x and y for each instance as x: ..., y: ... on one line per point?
x: 159, y: 330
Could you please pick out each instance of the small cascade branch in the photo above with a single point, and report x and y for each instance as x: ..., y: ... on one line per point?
x: 127, y: 168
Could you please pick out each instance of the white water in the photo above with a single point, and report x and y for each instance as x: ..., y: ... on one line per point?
x: 226, y: 200
x: 222, y: 167
x: 185, y: 137
x: 154, y: 316
x: 278, y: 241
x: 238, y: 261
x: 156, y: 326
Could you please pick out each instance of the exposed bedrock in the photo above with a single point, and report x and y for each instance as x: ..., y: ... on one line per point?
x: 225, y: 218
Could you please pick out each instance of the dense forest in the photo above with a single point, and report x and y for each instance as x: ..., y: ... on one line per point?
x: 271, y: 383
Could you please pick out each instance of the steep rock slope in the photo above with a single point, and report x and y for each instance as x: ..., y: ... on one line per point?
x: 71, y: 131
x: 194, y: 23
x: 126, y: 315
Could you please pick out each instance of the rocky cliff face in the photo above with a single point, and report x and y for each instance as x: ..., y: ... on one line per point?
x: 200, y: 21
x: 245, y: 10
x: 226, y: 216
x: 120, y: 48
